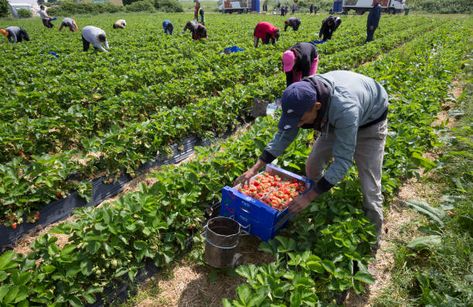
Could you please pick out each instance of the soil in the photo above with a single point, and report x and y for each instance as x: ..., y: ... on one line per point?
x: 199, y: 285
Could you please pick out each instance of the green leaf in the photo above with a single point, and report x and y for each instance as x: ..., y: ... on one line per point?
x: 75, y: 302
x: 425, y: 242
x: 140, y: 245
x: 329, y: 266
x: 244, y: 293
x: 49, y: 268
x: 3, y: 291
x: 435, y: 214
x: 364, y: 277
x: 11, y: 295
x: 89, y: 298
x: 6, y: 261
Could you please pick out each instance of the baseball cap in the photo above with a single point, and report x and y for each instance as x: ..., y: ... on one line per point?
x: 297, y: 99
x: 288, y: 60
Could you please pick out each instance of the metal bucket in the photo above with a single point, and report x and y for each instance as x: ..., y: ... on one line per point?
x: 221, y: 240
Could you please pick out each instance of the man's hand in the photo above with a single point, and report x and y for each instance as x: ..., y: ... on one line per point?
x: 302, y: 201
x: 245, y: 178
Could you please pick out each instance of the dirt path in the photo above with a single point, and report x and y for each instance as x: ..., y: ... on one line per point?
x: 188, y: 284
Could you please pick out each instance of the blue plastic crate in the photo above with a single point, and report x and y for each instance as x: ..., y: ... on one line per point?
x: 256, y: 217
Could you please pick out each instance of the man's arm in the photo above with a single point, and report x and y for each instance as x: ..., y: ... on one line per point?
x: 275, y: 148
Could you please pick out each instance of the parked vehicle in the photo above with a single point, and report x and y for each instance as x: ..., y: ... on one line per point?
x: 238, y: 6
x: 362, y: 6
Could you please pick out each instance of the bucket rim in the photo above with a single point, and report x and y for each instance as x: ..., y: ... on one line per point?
x: 221, y: 235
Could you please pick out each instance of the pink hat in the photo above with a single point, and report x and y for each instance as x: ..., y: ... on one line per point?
x: 288, y: 60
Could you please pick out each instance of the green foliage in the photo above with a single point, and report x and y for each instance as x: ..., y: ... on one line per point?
x: 4, y: 8
x: 168, y: 6
x: 73, y: 8
x: 442, y: 6
x: 24, y: 13
x: 140, y: 6
x: 438, y: 269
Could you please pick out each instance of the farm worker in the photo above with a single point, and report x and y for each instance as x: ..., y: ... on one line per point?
x: 14, y: 34
x: 70, y: 23
x: 311, y: 8
x: 350, y: 110
x: 119, y: 24
x: 266, y: 32
x: 168, y: 27
x: 373, y: 20
x: 198, y: 31
x: 301, y: 60
x: 96, y: 37
x: 265, y: 5
x: 292, y: 22
x: 196, y: 9
x: 45, y: 17
x: 329, y: 25
x: 201, y: 13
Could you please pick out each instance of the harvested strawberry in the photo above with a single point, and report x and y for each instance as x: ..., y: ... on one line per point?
x: 273, y: 190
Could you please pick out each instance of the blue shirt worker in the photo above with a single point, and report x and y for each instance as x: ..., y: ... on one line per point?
x: 168, y: 27
x: 350, y: 110
x: 14, y: 34
x: 96, y: 37
x: 373, y: 20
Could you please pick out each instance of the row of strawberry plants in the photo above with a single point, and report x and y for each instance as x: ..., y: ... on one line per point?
x: 70, y: 116
x: 29, y: 183
x: 332, y: 235
x: 153, y: 222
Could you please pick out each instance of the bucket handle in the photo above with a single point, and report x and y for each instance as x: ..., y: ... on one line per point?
x: 245, y: 230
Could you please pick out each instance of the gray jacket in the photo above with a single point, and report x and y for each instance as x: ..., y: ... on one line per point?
x: 354, y: 101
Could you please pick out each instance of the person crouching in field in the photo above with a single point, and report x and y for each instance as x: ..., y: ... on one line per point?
x: 14, y: 34
x: 198, y: 30
x: 119, y: 24
x: 292, y: 22
x: 329, y: 25
x: 299, y: 61
x: 96, y: 37
x: 350, y: 110
x: 266, y: 32
x: 70, y: 23
x: 168, y: 27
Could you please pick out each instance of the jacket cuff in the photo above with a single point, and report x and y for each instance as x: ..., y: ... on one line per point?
x: 322, y: 186
x: 267, y: 157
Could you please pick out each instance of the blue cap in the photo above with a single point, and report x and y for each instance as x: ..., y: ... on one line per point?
x: 297, y: 99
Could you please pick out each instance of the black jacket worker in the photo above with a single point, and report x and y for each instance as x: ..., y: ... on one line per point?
x: 292, y: 22
x: 373, y: 20
x: 329, y: 25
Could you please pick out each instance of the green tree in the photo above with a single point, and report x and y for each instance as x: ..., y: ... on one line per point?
x: 4, y: 9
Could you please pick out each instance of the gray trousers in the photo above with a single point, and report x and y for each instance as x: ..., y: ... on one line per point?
x: 369, y: 155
